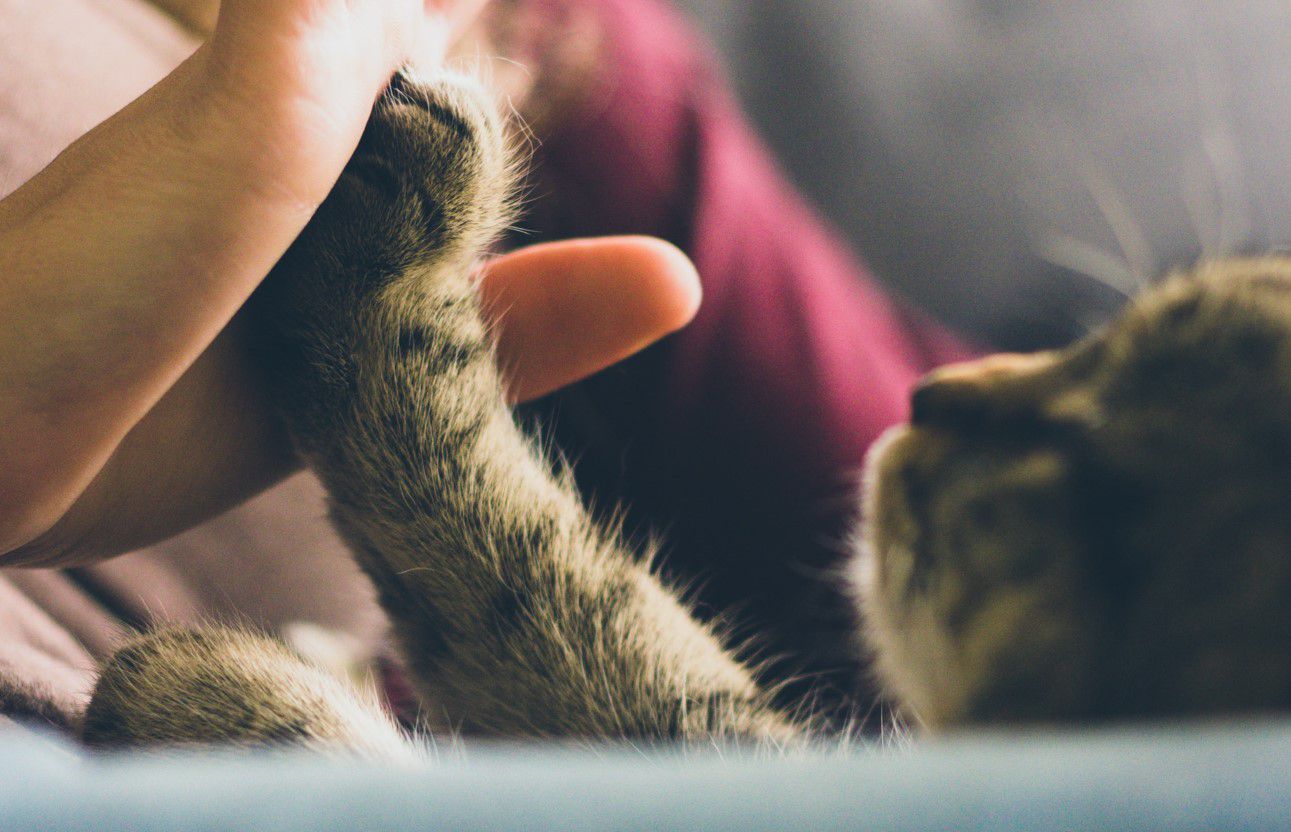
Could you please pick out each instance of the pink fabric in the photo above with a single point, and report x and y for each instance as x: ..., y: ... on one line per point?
x: 794, y: 340
x: 740, y: 438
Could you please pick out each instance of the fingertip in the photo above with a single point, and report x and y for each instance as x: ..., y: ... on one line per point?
x: 566, y: 310
x: 668, y: 280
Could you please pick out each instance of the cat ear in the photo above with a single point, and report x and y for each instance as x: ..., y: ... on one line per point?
x: 995, y: 384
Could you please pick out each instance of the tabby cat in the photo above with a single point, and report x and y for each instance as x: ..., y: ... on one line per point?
x: 1087, y: 534
x: 1101, y: 532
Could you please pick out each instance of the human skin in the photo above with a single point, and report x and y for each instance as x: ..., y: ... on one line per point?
x: 127, y: 398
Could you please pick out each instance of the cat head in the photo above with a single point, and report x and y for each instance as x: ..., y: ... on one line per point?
x: 1098, y: 532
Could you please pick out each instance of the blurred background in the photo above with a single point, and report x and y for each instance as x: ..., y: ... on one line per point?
x: 1016, y: 167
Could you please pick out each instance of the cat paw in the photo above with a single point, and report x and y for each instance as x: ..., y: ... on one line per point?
x: 385, y: 265
x: 435, y: 165
x: 232, y: 688
x: 427, y: 189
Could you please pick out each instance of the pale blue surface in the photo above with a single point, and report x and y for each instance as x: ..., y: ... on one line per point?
x: 1205, y: 778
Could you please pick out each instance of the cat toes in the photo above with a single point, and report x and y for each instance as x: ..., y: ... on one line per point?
x: 435, y: 152
x: 228, y: 687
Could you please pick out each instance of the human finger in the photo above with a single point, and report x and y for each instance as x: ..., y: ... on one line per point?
x: 566, y: 310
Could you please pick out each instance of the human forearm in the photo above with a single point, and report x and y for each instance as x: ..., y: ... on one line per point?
x: 103, y: 310
x: 121, y: 261
x: 207, y: 445
x: 119, y: 264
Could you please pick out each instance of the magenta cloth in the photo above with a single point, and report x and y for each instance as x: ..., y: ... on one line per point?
x: 740, y: 438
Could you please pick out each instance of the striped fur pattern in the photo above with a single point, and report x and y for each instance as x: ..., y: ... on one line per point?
x: 1098, y: 533
x: 516, y: 614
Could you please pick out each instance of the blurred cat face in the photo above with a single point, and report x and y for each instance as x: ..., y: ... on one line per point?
x: 1100, y: 532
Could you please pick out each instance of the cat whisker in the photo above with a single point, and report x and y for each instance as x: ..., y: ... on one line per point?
x: 1087, y: 259
x: 1120, y: 220
x: 1229, y: 221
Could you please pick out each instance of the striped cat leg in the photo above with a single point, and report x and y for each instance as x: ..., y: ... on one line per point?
x: 518, y: 615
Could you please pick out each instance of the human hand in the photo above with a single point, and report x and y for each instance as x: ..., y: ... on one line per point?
x: 562, y: 310
x: 122, y: 262
x: 298, y: 77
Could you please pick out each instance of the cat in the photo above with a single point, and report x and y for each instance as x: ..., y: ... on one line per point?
x: 1036, y: 543
x: 1098, y: 533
